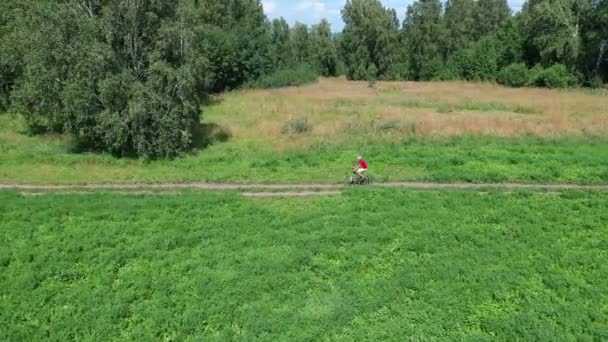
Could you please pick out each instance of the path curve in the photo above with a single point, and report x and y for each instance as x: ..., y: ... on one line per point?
x: 301, y: 186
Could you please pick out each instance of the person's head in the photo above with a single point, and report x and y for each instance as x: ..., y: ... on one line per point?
x: 359, y: 158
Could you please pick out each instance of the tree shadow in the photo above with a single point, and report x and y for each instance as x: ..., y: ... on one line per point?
x: 207, y: 134
x: 83, y: 146
x: 212, y: 100
x: 203, y: 136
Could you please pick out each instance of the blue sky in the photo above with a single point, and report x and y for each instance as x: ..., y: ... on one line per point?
x: 311, y: 11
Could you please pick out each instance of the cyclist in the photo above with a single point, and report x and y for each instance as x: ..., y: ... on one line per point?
x: 360, y: 167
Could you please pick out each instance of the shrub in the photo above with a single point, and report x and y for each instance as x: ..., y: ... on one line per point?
x: 556, y: 76
x: 533, y: 74
x: 392, y: 125
x: 298, y: 126
x: 294, y: 76
x: 387, y: 125
x: 515, y: 75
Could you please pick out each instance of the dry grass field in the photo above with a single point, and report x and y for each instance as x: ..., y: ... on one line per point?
x: 336, y: 107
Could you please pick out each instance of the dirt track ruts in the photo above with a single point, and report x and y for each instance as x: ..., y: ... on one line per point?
x: 301, y: 186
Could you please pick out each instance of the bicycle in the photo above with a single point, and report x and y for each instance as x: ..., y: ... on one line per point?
x: 355, y: 179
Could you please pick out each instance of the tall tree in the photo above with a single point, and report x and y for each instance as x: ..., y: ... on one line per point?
x: 595, y: 41
x: 553, y: 31
x: 369, y: 40
x: 11, y: 66
x: 281, y: 40
x: 425, y: 36
x: 324, y: 53
x: 489, y: 16
x: 301, y: 43
x: 237, y: 35
x: 460, y: 25
x: 510, y: 42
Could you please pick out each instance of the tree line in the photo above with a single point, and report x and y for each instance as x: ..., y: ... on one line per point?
x: 130, y: 76
x: 548, y: 43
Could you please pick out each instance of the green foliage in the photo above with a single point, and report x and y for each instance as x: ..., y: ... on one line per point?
x: 127, y: 76
x: 11, y: 67
x: 292, y: 76
x: 459, y: 21
x: 552, y: 31
x: 280, y: 43
x: 490, y: 16
x: 556, y: 76
x: 515, y: 75
x: 297, y: 126
x: 510, y: 42
x: 324, y: 54
x: 424, y: 36
x: 479, y: 62
x: 370, y: 40
x: 200, y: 266
x: 595, y: 42
x: 301, y: 43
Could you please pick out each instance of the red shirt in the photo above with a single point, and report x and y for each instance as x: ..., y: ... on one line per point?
x: 363, y: 164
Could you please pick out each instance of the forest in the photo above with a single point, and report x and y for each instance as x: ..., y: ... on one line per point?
x: 131, y: 77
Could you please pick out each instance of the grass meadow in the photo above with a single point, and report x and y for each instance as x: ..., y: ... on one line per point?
x: 439, y: 131
x: 371, y: 264
x: 366, y: 264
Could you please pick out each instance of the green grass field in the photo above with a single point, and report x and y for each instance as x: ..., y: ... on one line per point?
x: 367, y: 265
x: 445, y: 132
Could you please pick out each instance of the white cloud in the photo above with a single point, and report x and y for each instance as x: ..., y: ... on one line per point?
x: 316, y: 7
x: 270, y: 6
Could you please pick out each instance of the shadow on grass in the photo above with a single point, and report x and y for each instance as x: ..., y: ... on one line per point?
x: 203, y: 136
x: 212, y: 100
x: 206, y: 134
x: 83, y: 146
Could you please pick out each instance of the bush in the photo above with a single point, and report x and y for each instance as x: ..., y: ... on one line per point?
x: 556, y: 76
x: 515, y: 75
x: 392, y: 126
x: 298, y: 126
x: 387, y: 125
x: 294, y: 76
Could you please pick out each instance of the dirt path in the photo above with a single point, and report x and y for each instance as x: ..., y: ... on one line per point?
x: 293, y: 189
